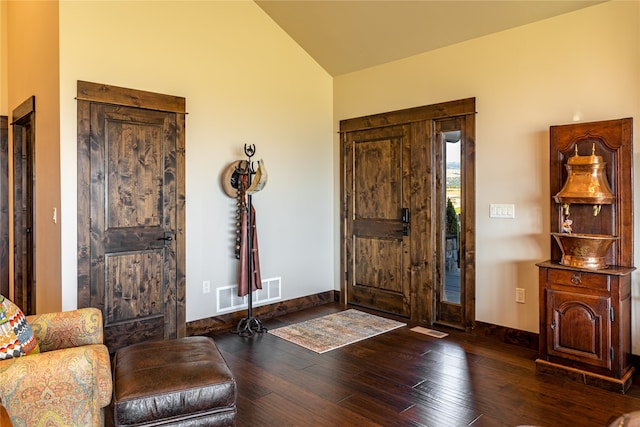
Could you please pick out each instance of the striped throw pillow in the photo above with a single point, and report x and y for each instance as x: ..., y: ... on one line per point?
x: 16, y: 336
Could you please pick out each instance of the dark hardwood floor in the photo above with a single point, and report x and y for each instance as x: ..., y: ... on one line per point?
x: 403, y: 378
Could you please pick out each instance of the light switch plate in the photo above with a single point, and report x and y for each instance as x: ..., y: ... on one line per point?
x: 502, y: 210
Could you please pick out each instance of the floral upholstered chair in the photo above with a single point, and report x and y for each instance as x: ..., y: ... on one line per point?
x: 68, y: 383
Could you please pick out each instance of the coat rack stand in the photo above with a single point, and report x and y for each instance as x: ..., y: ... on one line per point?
x: 249, y: 325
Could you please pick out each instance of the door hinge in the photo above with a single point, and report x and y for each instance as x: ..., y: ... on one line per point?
x: 611, y: 352
x: 612, y: 314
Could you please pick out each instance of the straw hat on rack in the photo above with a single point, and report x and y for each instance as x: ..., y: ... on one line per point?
x: 259, y: 180
x: 233, y: 173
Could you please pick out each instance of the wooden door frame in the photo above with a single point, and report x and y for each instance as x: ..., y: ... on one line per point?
x: 4, y: 206
x: 459, y: 316
x: 89, y: 93
x: 24, y: 221
x: 423, y: 203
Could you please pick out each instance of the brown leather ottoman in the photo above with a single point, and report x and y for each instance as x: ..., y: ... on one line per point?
x: 180, y: 382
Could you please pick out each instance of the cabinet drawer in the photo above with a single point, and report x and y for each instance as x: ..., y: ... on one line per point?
x: 579, y: 279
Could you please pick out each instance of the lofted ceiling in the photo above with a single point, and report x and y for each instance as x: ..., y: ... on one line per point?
x: 345, y: 35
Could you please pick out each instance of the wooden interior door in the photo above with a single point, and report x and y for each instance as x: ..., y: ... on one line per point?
x: 134, y: 236
x: 24, y: 190
x: 378, y: 219
x: 4, y: 206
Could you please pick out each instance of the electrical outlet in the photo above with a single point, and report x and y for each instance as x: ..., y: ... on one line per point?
x: 206, y: 287
x: 520, y: 295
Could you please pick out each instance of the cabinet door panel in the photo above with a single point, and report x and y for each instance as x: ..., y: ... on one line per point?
x: 578, y: 327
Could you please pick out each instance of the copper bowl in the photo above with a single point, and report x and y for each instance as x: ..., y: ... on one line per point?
x: 584, y: 250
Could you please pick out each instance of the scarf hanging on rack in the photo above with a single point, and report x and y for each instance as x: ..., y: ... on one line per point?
x: 256, y: 281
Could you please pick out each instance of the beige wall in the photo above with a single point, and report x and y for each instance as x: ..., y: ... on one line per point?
x: 245, y: 81
x: 581, y: 66
x: 4, y: 109
x: 32, y: 70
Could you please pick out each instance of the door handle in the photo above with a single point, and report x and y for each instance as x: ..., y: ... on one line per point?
x: 405, y: 221
x: 405, y: 215
x: 168, y: 237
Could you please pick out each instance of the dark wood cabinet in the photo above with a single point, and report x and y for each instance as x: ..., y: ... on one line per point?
x: 585, y: 324
x: 585, y: 314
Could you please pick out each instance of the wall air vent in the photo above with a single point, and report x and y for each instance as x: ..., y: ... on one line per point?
x: 228, y: 299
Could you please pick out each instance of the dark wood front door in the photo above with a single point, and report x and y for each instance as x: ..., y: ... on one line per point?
x: 391, y: 211
x: 136, y: 224
x: 377, y: 196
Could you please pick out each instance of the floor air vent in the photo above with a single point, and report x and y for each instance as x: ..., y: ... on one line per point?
x: 228, y: 299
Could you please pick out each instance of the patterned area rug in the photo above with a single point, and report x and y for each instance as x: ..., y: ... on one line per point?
x: 336, y: 330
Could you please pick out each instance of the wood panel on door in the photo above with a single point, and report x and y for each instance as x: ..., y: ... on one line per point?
x: 377, y: 191
x: 4, y: 206
x: 135, y: 200
x: 458, y: 314
x: 24, y: 190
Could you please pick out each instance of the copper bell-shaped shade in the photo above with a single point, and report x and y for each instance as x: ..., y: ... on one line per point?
x: 586, y: 183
